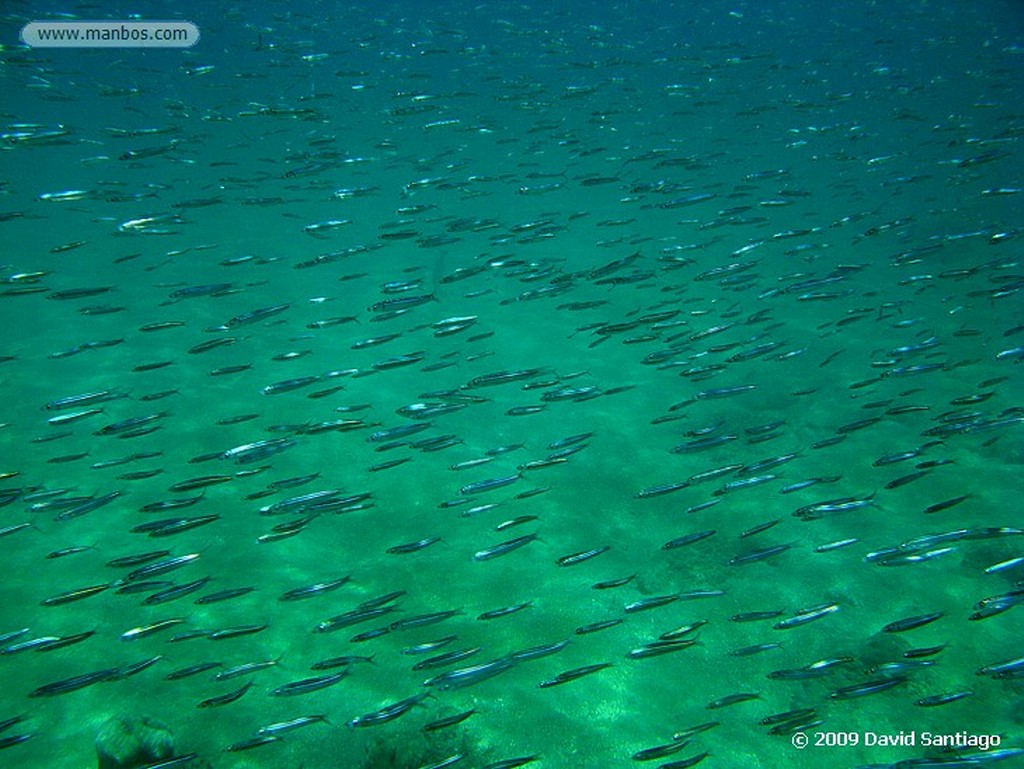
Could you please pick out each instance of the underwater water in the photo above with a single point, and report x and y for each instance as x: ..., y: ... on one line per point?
x: 659, y: 362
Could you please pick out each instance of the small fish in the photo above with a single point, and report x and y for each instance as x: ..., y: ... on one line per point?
x: 866, y: 688
x: 307, y: 685
x: 659, y: 648
x: 688, y: 539
x: 283, y: 727
x: 316, y: 589
x: 464, y: 677
x: 910, y: 623
x: 660, y: 751
x: 64, y: 641
x: 258, y: 741
x: 576, y: 558
x: 571, y: 675
x: 447, y: 658
x: 747, y: 651
x: 685, y: 763
x: 488, y: 485
x: 412, y: 547
x: 504, y: 611
x: 946, y: 504
x: 653, y: 602
x: 733, y: 699
x: 192, y: 670
x: 75, y: 683
x: 503, y: 548
x: 388, y: 712
x: 225, y: 699
x: 244, y: 669
x: 235, y: 632
x: 444, y: 723
x: 148, y: 630
x: 422, y: 620
x: 943, y: 699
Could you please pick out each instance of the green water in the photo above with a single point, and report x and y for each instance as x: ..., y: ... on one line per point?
x: 874, y: 116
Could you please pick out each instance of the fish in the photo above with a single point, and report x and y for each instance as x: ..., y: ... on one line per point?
x: 747, y: 651
x: 660, y: 751
x: 447, y: 658
x: 512, y: 763
x: 946, y: 504
x: 760, y: 554
x: 176, y: 592
x: 147, y: 630
x: 662, y: 489
x: 502, y: 377
x: 935, y: 700
x: 75, y: 683
x: 14, y: 739
x: 152, y: 569
x: 866, y: 688
x: 654, y: 602
x: 283, y: 727
x: 910, y: 623
x: 65, y: 551
x: 680, y: 632
x: 571, y: 675
x: 256, y: 316
x: 503, y: 611
x: 352, y: 617
x: 685, y: 763
x: 182, y: 502
x: 235, y: 632
x: 258, y: 741
x: 78, y: 293
x: 200, y: 483
x: 223, y: 595
x: 422, y: 620
x: 470, y: 676
x: 430, y: 646
x: 593, y: 627
x: 225, y: 699
x: 307, y: 685
x: 688, y: 539
x: 818, y: 510
x: 388, y: 713
x: 511, y: 301
x: 316, y: 589
x: 805, y: 616
x: 733, y: 699
x: 176, y: 525
x: 504, y: 548
x: 538, y: 652
x: 76, y: 595
x: 660, y: 648
x: 192, y: 670
x: 448, y: 721
x: 413, y: 547
x: 289, y: 385
x: 489, y: 484
x: 574, y: 559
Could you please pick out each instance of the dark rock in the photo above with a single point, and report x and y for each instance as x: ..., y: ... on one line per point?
x: 126, y: 742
